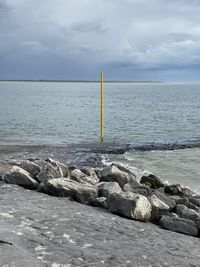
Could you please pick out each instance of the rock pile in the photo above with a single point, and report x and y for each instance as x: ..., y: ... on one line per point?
x: 114, y: 188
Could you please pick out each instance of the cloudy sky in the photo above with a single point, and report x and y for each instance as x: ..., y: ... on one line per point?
x: 75, y: 39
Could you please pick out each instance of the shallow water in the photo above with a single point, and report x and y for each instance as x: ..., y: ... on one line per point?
x: 68, y: 113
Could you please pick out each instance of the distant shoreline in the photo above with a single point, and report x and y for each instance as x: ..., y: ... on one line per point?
x: 82, y: 81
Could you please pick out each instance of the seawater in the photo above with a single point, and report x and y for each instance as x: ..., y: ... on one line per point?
x: 58, y: 113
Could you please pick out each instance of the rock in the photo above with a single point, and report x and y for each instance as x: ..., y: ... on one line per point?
x: 194, y: 201
x: 113, y: 174
x: 177, y: 189
x: 31, y: 167
x: 124, y: 169
x: 89, y: 171
x: 80, y: 177
x: 76, y: 175
x: 136, y: 187
x: 4, y: 167
x: 130, y: 205
x: 100, y: 202
x: 63, y: 169
x: 21, y: 177
x: 183, y: 212
x: 83, y: 193
x: 159, y: 208
x: 48, y: 172
x: 108, y: 188
x: 185, y: 201
x: 166, y: 199
x: 153, y: 180
x: 179, y: 225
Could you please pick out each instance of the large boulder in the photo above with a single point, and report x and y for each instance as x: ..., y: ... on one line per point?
x: 61, y: 167
x: 108, y: 188
x: 124, y: 169
x: 177, y: 189
x: 80, y: 177
x: 180, y: 225
x: 83, y: 193
x: 48, y: 172
x: 113, y: 174
x: 138, y: 188
x: 190, y: 214
x: 152, y: 180
x: 21, y: 177
x: 130, y: 205
x: 166, y: 199
x: 31, y: 167
x: 159, y: 208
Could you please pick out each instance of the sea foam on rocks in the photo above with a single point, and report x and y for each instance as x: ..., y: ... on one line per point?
x: 115, y: 188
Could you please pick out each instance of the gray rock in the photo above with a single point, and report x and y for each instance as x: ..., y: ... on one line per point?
x: 185, y: 201
x: 4, y: 167
x: 130, y: 205
x: 183, y: 212
x: 21, y: 177
x: 100, y: 202
x: 31, y: 167
x: 179, y: 225
x: 195, y: 201
x: 124, y: 169
x: 113, y: 174
x: 89, y: 171
x: 136, y: 187
x: 48, y: 172
x: 153, y: 180
x: 80, y: 177
x: 63, y: 169
x: 159, y: 208
x: 177, y: 189
x: 166, y: 199
x: 108, y: 188
x: 83, y: 193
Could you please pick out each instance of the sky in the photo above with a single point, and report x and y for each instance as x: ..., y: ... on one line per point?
x: 76, y: 39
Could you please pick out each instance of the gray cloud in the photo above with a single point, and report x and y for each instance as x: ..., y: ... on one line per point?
x: 129, y: 39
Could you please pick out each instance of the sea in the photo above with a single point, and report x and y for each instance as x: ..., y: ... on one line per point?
x: 150, y: 127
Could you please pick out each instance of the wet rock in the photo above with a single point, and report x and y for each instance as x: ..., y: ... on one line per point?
x: 153, y: 180
x: 31, y: 167
x: 108, y: 188
x: 100, y: 202
x: 136, y: 187
x: 113, y: 174
x: 159, y: 208
x: 48, y: 172
x: 83, y: 193
x: 179, y: 225
x: 63, y: 169
x: 130, y: 205
x: 21, y: 177
x: 166, y: 199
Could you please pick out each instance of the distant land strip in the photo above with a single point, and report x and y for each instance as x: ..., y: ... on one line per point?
x: 82, y: 81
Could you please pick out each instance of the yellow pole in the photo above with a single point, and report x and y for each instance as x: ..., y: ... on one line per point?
x: 102, y: 109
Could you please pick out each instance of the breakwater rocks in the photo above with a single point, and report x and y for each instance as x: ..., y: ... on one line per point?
x: 114, y: 188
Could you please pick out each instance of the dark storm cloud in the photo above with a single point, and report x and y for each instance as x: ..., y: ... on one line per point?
x: 76, y: 39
